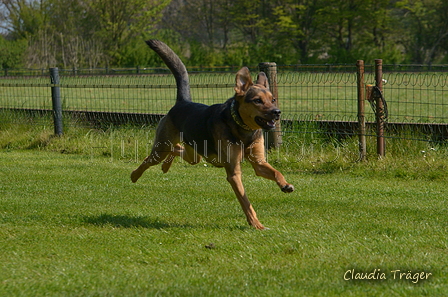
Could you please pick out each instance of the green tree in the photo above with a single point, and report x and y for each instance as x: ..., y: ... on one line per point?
x: 427, y: 29
x: 92, y: 33
x: 23, y: 18
x: 297, y: 23
x: 12, y: 53
x: 76, y: 33
x: 121, y: 21
x: 73, y: 27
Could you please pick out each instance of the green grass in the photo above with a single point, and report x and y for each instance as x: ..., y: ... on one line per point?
x: 72, y: 226
x: 72, y: 223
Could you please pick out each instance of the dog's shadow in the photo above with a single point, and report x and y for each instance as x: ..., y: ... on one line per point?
x: 126, y: 221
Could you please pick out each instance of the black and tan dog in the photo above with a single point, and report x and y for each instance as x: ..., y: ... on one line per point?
x: 223, y: 134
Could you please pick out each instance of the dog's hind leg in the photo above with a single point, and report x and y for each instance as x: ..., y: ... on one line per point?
x: 157, y: 155
x: 166, y: 138
x: 167, y: 163
x: 187, y: 153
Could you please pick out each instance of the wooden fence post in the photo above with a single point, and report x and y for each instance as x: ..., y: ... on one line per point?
x: 274, y: 137
x: 361, y: 111
x: 380, y: 142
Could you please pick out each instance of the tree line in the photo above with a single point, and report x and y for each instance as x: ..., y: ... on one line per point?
x: 111, y: 33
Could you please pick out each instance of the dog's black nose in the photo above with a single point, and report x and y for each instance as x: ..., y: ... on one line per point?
x: 276, y: 112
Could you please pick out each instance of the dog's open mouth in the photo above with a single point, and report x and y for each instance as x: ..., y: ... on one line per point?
x: 265, y: 124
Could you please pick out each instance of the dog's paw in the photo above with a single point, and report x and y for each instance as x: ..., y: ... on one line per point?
x: 259, y: 227
x: 135, y: 175
x: 256, y: 224
x: 288, y: 188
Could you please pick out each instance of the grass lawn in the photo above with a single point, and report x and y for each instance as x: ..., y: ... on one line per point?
x: 73, y: 225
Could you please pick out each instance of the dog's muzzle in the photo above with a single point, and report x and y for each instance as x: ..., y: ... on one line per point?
x: 269, y: 120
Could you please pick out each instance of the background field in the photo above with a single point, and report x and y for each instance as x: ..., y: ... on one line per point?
x: 74, y: 224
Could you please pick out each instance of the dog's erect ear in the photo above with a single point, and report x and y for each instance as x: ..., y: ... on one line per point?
x: 243, y: 81
x: 262, y: 79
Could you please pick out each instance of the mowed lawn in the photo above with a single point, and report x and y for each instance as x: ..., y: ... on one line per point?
x: 71, y: 225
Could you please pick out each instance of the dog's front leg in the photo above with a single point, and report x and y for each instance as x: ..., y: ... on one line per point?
x: 255, y: 155
x: 264, y: 169
x: 234, y: 178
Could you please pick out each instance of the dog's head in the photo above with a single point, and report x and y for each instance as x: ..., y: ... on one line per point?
x: 257, y: 106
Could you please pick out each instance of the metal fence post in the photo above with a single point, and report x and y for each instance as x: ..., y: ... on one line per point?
x: 380, y: 142
x: 56, y: 100
x: 361, y: 111
x: 274, y: 139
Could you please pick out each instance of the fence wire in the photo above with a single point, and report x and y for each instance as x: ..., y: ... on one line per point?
x: 324, y: 95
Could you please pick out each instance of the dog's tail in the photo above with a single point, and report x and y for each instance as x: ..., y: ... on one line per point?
x: 175, y: 65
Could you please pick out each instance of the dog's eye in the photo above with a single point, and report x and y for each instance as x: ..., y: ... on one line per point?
x: 273, y: 100
x: 258, y: 101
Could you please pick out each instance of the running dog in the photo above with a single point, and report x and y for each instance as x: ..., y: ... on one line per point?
x: 223, y: 134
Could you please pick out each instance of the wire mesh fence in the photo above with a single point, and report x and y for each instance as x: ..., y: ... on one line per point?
x: 323, y: 95
x: 318, y: 92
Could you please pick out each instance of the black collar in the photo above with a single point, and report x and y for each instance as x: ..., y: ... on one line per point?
x: 236, y: 117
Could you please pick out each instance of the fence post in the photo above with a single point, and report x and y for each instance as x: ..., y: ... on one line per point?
x: 361, y: 111
x: 379, y: 115
x: 274, y: 137
x: 56, y: 100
